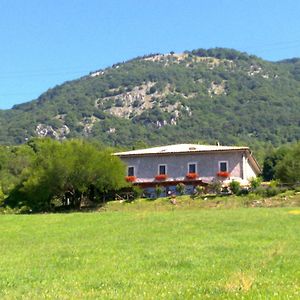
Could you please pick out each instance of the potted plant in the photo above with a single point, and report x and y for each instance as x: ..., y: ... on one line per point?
x: 130, y: 178
x: 223, y: 174
x: 161, y: 177
x: 191, y: 175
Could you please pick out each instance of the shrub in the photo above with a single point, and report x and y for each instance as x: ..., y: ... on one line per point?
x: 180, y: 188
x: 200, y: 190
x: 137, y: 192
x: 24, y: 210
x: 255, y: 182
x: 268, y: 192
x: 272, y: 191
x: 260, y: 191
x: 235, y: 187
x: 273, y: 183
x: 216, y: 187
x: 243, y: 191
x: 158, y: 191
x: 152, y: 90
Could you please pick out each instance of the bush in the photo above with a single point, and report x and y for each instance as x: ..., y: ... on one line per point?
x: 158, y: 191
x: 24, y: 210
x: 235, y: 187
x: 216, y: 187
x: 272, y: 191
x: 255, y: 182
x: 199, y: 190
x: 152, y: 90
x: 243, y: 192
x: 137, y: 192
x: 273, y: 183
x: 6, y: 210
x: 180, y: 188
x: 268, y: 192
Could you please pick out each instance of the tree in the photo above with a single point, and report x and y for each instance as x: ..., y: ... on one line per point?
x: 70, y: 171
x: 14, y: 163
x: 288, y: 169
x: 270, y: 162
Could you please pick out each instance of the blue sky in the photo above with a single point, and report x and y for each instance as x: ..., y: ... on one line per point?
x: 44, y: 43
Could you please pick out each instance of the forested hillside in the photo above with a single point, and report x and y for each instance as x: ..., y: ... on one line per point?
x: 197, y: 96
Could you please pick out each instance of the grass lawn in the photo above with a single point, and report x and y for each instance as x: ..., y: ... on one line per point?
x: 238, y: 253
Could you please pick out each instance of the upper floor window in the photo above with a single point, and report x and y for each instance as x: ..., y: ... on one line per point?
x: 223, y: 166
x: 162, y: 169
x: 130, y: 171
x: 192, y: 168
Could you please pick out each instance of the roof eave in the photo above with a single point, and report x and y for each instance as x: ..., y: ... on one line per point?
x: 124, y: 154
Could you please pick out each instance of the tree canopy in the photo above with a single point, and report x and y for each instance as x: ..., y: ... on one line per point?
x: 63, y: 173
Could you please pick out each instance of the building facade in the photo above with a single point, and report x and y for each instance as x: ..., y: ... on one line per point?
x: 190, y: 164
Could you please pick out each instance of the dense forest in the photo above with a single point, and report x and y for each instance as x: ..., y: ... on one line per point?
x: 199, y: 96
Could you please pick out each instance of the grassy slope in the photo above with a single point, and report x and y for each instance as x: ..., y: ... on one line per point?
x: 181, y: 254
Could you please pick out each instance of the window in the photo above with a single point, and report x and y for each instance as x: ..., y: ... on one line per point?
x: 223, y: 166
x: 130, y: 171
x: 192, y: 168
x: 162, y: 169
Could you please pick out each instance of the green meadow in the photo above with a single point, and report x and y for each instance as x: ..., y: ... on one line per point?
x: 216, y: 253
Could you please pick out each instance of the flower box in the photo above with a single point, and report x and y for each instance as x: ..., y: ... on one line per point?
x: 191, y: 175
x: 223, y: 174
x: 161, y: 177
x: 130, y: 178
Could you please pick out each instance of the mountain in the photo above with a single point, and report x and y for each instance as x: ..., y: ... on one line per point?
x: 198, y: 96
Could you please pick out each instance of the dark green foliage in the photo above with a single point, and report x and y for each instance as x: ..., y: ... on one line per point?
x: 158, y: 191
x: 235, y: 187
x: 287, y: 169
x: 255, y: 183
x: 200, y: 190
x: 258, y: 104
x: 60, y: 173
x: 269, y: 191
x: 137, y: 192
x: 180, y: 188
x: 283, y: 164
x: 270, y: 162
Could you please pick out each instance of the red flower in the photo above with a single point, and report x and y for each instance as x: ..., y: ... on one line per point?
x: 161, y: 177
x: 223, y: 174
x: 191, y: 175
x: 130, y: 178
